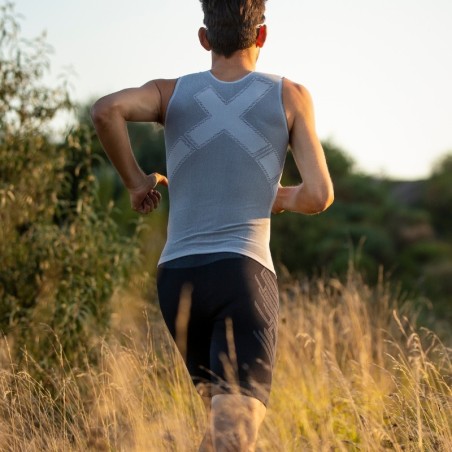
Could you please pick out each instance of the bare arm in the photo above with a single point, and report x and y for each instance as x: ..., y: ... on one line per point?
x: 315, y: 193
x: 110, y: 115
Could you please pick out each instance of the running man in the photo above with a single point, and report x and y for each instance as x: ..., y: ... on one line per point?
x: 227, y: 131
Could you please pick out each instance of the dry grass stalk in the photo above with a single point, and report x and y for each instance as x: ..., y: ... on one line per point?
x: 351, y: 374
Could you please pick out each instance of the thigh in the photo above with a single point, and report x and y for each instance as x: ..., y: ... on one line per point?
x: 245, y: 330
x: 189, y: 326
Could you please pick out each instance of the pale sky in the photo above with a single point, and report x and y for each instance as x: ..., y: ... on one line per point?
x: 379, y: 71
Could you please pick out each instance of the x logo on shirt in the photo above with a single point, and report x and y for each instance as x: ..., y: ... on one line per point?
x: 227, y: 117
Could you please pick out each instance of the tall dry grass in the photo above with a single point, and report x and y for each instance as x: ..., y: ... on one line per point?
x: 352, y: 374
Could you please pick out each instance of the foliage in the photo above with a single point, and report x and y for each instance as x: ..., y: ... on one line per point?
x: 438, y: 196
x: 61, y: 255
x: 402, y: 227
x: 68, y: 234
x: 25, y: 103
x: 352, y: 373
x: 356, y: 223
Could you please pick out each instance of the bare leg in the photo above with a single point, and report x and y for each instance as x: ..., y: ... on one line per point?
x: 235, y: 422
x: 207, y: 445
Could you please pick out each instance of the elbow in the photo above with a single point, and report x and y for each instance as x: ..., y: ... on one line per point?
x: 320, y: 201
x: 319, y: 206
x: 102, y: 111
x: 98, y: 113
x: 326, y: 199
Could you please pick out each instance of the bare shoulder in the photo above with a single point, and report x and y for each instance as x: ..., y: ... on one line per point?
x: 164, y: 85
x: 297, y: 101
x: 166, y: 89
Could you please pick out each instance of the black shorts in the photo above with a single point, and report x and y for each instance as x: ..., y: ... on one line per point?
x: 223, y: 317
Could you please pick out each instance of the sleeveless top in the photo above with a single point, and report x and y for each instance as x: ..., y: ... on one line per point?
x: 226, y: 144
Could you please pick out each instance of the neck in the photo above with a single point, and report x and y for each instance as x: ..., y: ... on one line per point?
x: 235, y: 67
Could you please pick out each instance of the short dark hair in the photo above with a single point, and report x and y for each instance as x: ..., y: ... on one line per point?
x: 231, y: 24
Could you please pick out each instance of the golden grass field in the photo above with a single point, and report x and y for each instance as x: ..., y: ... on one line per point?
x: 352, y: 374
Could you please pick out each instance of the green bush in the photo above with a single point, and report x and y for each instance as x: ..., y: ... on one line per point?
x: 61, y: 253
x: 438, y: 196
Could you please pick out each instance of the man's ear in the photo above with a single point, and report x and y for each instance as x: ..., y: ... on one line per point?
x: 261, y: 36
x: 202, y: 35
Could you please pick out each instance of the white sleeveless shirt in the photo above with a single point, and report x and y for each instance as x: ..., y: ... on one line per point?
x: 226, y: 144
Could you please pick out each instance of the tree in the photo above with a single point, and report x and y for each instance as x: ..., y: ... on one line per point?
x: 61, y: 254
x: 438, y: 196
x: 354, y: 227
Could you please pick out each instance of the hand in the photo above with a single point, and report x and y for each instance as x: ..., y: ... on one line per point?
x: 144, y: 198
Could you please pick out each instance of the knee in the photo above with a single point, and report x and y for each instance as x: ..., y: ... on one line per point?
x: 235, y: 421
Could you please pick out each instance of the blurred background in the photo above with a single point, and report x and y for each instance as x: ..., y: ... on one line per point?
x: 379, y: 71
x: 380, y: 76
x: 86, y: 362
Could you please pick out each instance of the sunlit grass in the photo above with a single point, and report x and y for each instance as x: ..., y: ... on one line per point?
x: 352, y: 373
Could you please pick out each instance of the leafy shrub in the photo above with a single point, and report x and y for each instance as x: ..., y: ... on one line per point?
x: 61, y: 253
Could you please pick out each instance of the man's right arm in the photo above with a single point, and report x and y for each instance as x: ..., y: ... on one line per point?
x: 110, y: 115
x: 315, y: 193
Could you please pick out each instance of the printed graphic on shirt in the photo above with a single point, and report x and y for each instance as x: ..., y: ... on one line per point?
x: 228, y: 117
x: 268, y: 309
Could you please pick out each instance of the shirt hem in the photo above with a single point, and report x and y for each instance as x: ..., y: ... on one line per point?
x: 264, y: 262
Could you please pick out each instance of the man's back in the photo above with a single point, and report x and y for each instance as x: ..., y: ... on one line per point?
x: 226, y: 144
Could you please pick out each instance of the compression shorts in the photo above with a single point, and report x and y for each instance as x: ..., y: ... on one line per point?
x: 223, y: 316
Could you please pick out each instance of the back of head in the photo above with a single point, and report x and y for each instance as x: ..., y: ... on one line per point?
x: 231, y: 24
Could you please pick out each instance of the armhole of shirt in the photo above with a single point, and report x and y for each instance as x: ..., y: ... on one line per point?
x: 281, y: 103
x: 171, y: 98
